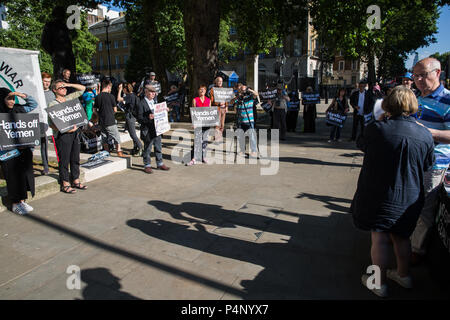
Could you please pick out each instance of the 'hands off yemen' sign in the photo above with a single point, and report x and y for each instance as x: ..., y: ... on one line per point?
x: 19, y: 130
x: 311, y: 98
x: 269, y: 94
x: 223, y: 94
x: 67, y: 114
x: 205, y: 117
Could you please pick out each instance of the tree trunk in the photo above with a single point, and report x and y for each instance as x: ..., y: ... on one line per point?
x: 201, y: 28
x: 158, y: 61
x: 372, y: 76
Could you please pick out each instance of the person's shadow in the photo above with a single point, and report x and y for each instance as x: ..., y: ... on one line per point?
x: 103, y: 285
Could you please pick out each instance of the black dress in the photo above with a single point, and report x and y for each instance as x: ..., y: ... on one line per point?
x: 390, y: 192
x: 18, y: 171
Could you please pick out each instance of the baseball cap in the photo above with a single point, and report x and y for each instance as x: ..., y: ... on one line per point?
x: 408, y: 75
x: 152, y: 73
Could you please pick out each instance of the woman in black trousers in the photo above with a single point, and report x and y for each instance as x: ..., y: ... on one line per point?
x: 18, y: 170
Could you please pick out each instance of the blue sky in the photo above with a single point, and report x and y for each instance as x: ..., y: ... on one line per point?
x: 443, y: 38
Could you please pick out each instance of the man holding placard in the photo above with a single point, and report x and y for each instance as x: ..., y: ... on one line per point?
x: 146, y: 117
x: 221, y: 101
x: 67, y: 142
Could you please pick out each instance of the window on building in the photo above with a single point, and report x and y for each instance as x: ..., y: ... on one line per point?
x: 117, y: 62
x: 100, y: 63
x: 353, y: 79
x: 297, y: 47
x: 354, y: 64
x: 341, y: 65
x: 125, y: 58
x: 232, y: 31
x: 93, y: 63
x: 125, y: 43
x: 116, y: 44
x: 279, y: 52
x: 100, y: 46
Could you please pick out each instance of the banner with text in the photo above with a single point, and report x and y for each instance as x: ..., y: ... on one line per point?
x: 162, y: 124
x: 223, y: 94
x: 269, y: 94
x: 205, y: 117
x: 311, y: 98
x: 336, y: 119
x: 172, y: 97
x: 19, y: 130
x: 67, y: 114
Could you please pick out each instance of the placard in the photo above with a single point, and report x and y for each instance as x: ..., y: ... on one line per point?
x: 172, y: 97
x: 368, y: 119
x: 67, y: 114
x: 162, y: 124
x: 266, y: 106
x: 205, y: 116
x: 293, y: 105
x: 336, y: 119
x: 88, y: 80
x: 268, y: 94
x: 19, y: 130
x: 311, y: 98
x: 223, y: 94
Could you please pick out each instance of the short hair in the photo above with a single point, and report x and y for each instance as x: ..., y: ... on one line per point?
x: 55, y: 83
x: 217, y: 78
x: 401, y: 100
x: 128, y: 86
x: 106, y: 82
x: 202, y: 86
x: 46, y: 75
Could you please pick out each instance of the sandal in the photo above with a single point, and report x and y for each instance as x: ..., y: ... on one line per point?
x: 65, y: 189
x: 79, y: 186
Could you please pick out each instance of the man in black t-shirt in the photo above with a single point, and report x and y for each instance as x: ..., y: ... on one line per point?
x: 105, y: 107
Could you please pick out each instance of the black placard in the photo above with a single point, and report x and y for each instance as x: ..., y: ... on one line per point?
x: 19, y: 130
x: 67, y: 114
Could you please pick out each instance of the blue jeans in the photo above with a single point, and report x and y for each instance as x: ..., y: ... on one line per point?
x: 156, y: 142
x: 250, y: 127
x: 176, y: 112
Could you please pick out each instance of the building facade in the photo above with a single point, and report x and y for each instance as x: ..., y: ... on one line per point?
x: 119, y: 47
x: 3, y: 23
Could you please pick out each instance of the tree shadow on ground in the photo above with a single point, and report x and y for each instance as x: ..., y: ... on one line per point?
x: 314, y: 258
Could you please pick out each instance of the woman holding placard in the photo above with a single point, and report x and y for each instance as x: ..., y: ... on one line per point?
x: 17, y: 165
x: 338, y: 105
x: 198, y: 102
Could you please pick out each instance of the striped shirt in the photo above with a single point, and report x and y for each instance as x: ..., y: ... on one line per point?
x: 434, y: 113
x: 245, y: 110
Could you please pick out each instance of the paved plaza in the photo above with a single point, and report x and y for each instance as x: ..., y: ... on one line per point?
x: 221, y: 231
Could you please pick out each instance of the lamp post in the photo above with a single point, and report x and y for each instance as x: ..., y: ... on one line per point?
x: 107, y: 45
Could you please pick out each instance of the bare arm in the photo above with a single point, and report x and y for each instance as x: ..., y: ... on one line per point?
x: 119, y: 94
x: 77, y: 87
x: 442, y: 136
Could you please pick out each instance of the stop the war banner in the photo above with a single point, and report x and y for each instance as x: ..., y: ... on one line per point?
x: 162, y: 124
x: 269, y: 94
x: 19, y: 71
x: 19, y: 130
x: 311, y: 98
x: 67, y: 114
x: 205, y: 117
x: 223, y: 94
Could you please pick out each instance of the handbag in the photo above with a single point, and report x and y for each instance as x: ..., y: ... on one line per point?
x: 9, y: 154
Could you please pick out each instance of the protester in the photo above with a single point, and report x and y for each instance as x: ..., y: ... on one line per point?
x: 245, y: 119
x: 66, y: 78
x: 18, y: 169
x: 145, y: 116
x: 131, y: 110
x: 362, y: 102
x: 390, y: 192
x: 292, y: 111
x: 338, y: 105
x: 105, y: 106
x: 68, y: 143
x: 408, y: 81
x: 223, y: 109
x: 279, y: 107
x: 174, y: 106
x: 88, y: 99
x: 309, y: 114
x: 49, y: 97
x: 200, y: 154
x: 434, y: 103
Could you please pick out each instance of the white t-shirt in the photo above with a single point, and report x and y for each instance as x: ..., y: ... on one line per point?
x: 377, y: 111
x: 361, y: 102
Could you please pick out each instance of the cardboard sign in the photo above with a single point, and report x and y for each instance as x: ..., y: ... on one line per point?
x: 19, y: 130
x: 162, y: 124
x: 205, y: 117
x: 311, y: 98
x: 270, y: 94
x: 20, y: 71
x: 223, y: 94
x: 336, y: 119
x: 67, y: 114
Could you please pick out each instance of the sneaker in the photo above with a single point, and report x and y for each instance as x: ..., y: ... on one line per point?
x: 254, y: 155
x: 191, y: 163
x: 405, y: 282
x: 27, y: 207
x: 382, y: 292
x: 19, y: 209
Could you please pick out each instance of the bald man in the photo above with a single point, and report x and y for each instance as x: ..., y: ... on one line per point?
x: 434, y: 113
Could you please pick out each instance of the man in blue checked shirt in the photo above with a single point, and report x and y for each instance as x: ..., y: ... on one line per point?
x: 434, y: 113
